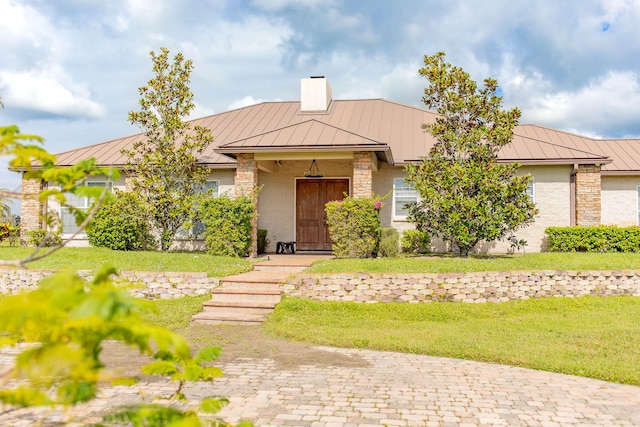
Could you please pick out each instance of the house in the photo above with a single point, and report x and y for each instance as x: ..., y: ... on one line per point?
x: 305, y: 153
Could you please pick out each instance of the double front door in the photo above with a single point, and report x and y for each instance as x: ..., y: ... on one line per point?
x: 312, y: 233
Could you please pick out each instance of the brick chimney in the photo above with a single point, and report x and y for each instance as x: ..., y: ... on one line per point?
x: 315, y: 94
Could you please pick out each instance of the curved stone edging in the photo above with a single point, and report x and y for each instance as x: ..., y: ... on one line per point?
x: 143, y: 284
x: 462, y: 287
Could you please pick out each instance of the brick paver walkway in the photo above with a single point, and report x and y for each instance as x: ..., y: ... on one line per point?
x: 392, y: 389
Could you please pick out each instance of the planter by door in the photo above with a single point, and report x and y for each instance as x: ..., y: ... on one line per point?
x: 312, y: 233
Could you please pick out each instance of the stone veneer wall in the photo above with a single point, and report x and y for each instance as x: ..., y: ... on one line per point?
x: 588, y: 200
x: 462, y: 287
x: 31, y: 208
x: 246, y: 181
x: 144, y: 284
x: 362, y: 175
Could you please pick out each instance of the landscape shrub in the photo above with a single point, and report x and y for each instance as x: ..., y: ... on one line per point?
x: 120, y: 224
x: 262, y: 241
x: 593, y: 239
x: 389, y: 242
x: 228, y: 225
x: 354, y: 226
x: 43, y: 238
x: 10, y: 232
x: 415, y: 242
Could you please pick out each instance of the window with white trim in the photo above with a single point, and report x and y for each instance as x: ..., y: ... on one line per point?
x: 403, y: 194
x: 67, y: 218
x: 530, y: 191
x: 638, y: 192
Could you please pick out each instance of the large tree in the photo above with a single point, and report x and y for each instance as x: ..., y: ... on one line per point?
x: 164, y: 163
x: 466, y: 195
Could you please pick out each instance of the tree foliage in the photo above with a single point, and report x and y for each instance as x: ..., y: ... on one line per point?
x: 164, y: 163
x: 466, y: 195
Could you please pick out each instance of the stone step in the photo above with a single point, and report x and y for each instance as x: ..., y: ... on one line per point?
x: 239, y: 307
x: 227, y: 294
x: 238, y: 318
x: 280, y: 267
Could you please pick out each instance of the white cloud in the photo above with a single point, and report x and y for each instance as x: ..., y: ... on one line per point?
x: 45, y: 92
x: 200, y: 111
x: 249, y: 100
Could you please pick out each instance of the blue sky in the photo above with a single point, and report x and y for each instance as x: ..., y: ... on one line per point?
x: 70, y: 69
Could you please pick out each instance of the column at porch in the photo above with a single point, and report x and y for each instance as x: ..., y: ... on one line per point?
x: 362, y: 174
x: 31, y: 209
x: 588, y: 201
x: 246, y: 182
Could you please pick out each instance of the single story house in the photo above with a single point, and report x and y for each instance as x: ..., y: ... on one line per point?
x: 308, y: 152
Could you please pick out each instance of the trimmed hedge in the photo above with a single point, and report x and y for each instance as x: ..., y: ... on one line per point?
x: 593, y: 239
x: 228, y: 225
x: 121, y: 224
x: 354, y: 226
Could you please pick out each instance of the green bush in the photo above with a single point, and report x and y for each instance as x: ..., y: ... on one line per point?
x: 389, y: 242
x: 262, y: 241
x: 228, y: 225
x: 354, y: 226
x: 10, y: 232
x: 120, y: 224
x: 43, y: 238
x: 415, y: 242
x: 593, y: 239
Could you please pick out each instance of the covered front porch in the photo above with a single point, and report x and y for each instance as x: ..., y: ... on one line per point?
x: 295, y: 186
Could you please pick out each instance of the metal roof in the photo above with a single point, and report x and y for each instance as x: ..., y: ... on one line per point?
x: 377, y: 125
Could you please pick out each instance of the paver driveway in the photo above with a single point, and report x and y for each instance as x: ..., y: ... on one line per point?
x: 385, y: 388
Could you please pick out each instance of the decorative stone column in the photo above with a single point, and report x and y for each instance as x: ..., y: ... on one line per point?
x: 588, y: 201
x: 362, y: 175
x: 246, y: 182
x: 31, y: 207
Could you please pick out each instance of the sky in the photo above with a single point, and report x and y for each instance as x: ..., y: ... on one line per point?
x: 70, y: 69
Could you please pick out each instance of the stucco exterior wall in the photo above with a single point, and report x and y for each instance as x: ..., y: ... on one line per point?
x: 620, y: 200
x: 277, y: 198
x: 551, y: 193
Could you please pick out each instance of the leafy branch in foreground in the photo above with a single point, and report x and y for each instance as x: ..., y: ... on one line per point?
x: 67, y: 320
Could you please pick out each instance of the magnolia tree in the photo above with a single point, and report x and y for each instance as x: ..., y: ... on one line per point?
x: 466, y: 195
x: 164, y: 163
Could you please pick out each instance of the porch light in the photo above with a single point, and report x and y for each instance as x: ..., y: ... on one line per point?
x: 313, y: 171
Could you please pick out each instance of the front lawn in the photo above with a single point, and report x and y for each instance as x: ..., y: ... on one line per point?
x: 449, y: 263
x: 92, y: 258
x: 596, y: 337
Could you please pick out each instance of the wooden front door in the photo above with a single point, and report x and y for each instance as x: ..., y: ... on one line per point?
x: 312, y: 233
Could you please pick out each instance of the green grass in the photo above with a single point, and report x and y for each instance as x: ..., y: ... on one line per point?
x: 175, y: 314
x: 447, y: 263
x: 597, y: 337
x: 92, y: 258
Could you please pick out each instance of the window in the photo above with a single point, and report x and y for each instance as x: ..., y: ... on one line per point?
x: 530, y: 190
x: 638, y: 191
x: 67, y: 218
x: 403, y: 194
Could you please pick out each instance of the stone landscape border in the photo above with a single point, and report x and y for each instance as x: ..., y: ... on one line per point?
x: 144, y: 284
x: 495, y: 286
